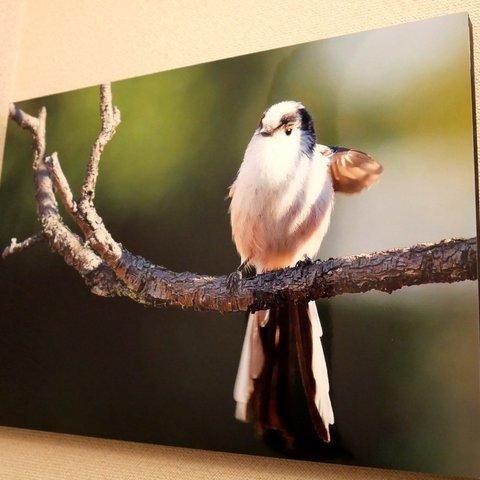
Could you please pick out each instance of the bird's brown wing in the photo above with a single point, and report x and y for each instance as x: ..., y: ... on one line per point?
x: 352, y: 170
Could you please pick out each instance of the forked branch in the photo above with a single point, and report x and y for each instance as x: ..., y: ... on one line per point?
x: 110, y: 269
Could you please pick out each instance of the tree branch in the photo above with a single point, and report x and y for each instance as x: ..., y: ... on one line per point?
x: 61, y: 239
x: 16, y: 247
x: 61, y: 183
x: 444, y: 262
x: 110, y: 269
x: 24, y: 120
x: 110, y: 117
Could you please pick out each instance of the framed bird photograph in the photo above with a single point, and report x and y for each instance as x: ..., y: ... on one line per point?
x: 273, y: 254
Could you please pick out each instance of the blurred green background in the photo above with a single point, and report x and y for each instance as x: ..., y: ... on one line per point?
x: 404, y: 367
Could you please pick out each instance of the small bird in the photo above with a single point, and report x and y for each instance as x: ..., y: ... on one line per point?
x: 280, y: 208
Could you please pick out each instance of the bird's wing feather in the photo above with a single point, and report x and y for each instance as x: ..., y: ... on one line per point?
x: 352, y: 170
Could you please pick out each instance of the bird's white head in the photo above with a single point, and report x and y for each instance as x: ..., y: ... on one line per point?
x: 288, y: 123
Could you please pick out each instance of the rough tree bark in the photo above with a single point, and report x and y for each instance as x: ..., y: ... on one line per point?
x: 109, y: 269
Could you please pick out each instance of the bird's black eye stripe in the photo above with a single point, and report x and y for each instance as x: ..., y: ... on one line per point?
x: 286, y: 119
x: 306, y: 121
x: 308, y: 135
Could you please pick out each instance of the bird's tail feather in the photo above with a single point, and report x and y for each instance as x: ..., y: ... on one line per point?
x: 282, y: 348
x: 251, y: 364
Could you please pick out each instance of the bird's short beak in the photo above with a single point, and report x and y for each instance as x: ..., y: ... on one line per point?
x: 265, y: 132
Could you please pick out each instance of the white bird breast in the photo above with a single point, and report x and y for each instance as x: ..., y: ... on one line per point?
x: 281, y: 202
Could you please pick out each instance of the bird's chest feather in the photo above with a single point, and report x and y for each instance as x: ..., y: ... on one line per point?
x: 280, y: 200
x: 271, y: 176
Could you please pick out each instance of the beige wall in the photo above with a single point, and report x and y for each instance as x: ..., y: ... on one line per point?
x: 57, y: 45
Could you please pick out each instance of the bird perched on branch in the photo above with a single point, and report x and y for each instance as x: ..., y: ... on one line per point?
x: 281, y: 202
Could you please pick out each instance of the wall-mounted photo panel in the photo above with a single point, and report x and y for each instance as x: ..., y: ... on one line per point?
x: 273, y: 254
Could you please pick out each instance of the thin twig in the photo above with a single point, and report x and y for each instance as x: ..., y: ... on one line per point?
x: 24, y: 120
x: 110, y: 117
x: 61, y: 183
x: 16, y: 247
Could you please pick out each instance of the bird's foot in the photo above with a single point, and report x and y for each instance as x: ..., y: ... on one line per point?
x: 233, y: 281
x: 306, y: 261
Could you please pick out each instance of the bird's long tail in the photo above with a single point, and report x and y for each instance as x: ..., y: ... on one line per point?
x: 281, y: 351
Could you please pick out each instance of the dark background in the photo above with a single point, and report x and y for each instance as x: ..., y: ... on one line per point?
x: 403, y: 367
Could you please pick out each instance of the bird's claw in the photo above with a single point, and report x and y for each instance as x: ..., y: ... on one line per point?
x: 303, y: 263
x: 233, y: 281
